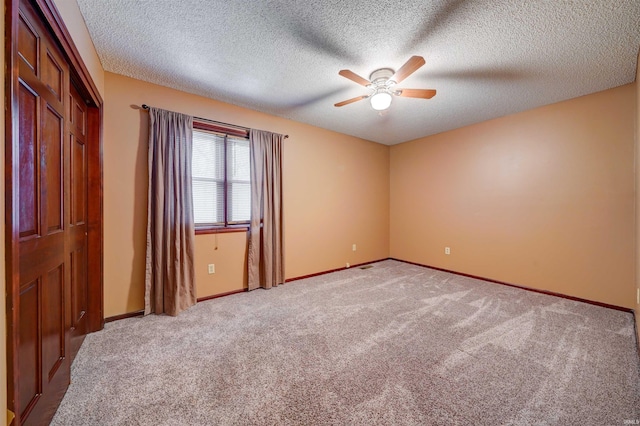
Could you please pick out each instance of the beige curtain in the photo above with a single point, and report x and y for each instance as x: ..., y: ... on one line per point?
x: 266, y: 245
x: 169, y: 281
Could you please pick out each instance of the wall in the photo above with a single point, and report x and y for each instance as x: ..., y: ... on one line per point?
x: 336, y: 193
x: 74, y: 21
x: 337, y: 187
x: 543, y: 199
x: 637, y: 170
x: 228, y: 252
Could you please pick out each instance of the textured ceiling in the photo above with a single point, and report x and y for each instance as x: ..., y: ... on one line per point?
x: 485, y: 58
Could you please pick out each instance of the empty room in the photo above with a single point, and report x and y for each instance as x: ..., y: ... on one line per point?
x: 320, y: 213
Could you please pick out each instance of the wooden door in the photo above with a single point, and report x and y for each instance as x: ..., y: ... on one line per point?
x: 78, y: 196
x: 53, y: 206
x: 44, y: 262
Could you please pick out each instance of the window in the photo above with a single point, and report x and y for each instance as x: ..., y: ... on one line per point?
x: 221, y: 180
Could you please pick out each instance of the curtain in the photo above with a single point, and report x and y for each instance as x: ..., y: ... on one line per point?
x: 266, y: 248
x: 169, y: 280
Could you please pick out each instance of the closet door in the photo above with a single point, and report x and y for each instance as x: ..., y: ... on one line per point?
x: 45, y: 267
x: 78, y: 231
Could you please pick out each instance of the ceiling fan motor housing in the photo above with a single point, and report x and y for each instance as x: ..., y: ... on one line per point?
x: 380, y: 77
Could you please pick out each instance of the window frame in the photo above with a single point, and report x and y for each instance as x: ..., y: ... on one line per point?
x: 216, y: 228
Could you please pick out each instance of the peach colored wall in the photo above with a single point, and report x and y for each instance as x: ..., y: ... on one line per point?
x: 228, y: 254
x: 70, y: 13
x: 336, y: 193
x: 543, y: 199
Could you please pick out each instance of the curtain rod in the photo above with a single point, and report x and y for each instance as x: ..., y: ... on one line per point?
x: 145, y: 106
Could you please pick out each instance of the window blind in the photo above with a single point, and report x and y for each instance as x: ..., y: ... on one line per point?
x: 208, y: 178
x: 208, y: 174
x: 238, y: 180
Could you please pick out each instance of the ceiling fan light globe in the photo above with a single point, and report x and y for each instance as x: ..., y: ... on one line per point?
x: 381, y: 101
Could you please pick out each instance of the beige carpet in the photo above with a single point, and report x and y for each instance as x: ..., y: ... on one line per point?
x: 393, y: 344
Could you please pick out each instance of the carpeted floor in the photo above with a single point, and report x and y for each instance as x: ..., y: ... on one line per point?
x: 393, y: 344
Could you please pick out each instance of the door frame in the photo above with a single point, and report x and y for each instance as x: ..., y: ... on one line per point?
x: 79, y: 75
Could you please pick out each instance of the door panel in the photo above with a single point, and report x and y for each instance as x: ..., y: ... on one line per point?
x: 53, y: 339
x: 51, y: 149
x: 44, y: 308
x: 29, y: 352
x: 78, y: 181
x: 53, y: 76
x: 78, y: 287
x: 28, y: 43
x: 53, y: 202
x: 78, y: 197
x: 29, y: 208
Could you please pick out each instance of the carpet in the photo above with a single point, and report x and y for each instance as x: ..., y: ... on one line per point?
x: 393, y: 344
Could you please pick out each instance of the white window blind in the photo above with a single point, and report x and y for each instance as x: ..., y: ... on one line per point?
x: 209, y: 180
x: 238, y: 180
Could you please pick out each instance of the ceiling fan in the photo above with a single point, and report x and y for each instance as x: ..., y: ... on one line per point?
x: 382, y: 83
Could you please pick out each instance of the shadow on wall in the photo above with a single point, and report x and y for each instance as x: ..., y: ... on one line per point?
x: 136, y: 289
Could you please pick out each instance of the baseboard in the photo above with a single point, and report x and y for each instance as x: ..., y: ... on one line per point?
x: 635, y: 328
x: 125, y: 316
x: 332, y: 270
x: 141, y: 312
x: 228, y: 293
x: 535, y: 290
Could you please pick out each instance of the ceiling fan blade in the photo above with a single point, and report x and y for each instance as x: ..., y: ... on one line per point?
x: 354, y: 77
x: 416, y: 93
x: 408, y: 68
x: 350, y: 101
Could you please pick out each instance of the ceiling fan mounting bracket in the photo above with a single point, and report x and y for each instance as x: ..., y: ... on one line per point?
x: 380, y: 77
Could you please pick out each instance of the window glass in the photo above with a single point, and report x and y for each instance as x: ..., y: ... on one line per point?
x: 211, y: 179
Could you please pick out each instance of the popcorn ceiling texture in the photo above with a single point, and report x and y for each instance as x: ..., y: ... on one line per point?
x: 486, y: 58
x: 396, y: 344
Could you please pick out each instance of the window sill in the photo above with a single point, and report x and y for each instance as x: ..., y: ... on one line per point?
x: 222, y: 230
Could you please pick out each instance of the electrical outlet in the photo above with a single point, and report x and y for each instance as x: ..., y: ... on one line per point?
x: 353, y: 247
x: 212, y: 268
x: 348, y: 266
x: 447, y: 250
